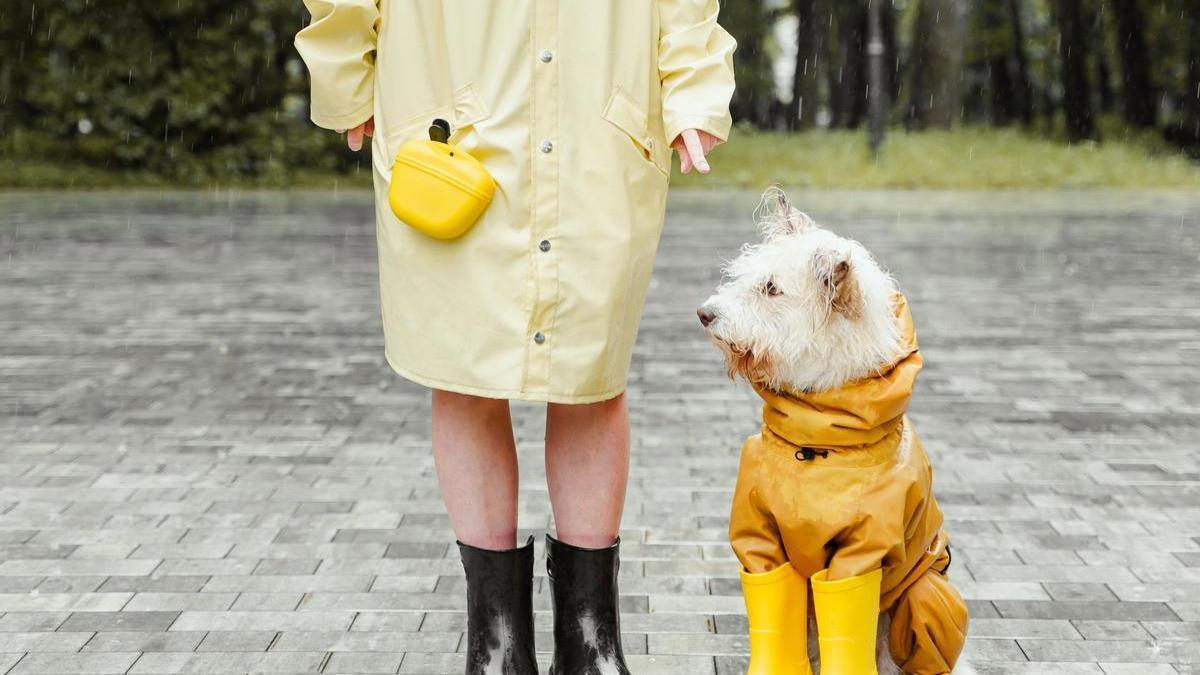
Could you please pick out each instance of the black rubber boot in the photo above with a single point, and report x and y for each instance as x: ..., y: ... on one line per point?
x: 499, y: 610
x: 587, y: 620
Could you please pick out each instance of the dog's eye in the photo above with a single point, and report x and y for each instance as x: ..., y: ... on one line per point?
x: 771, y: 289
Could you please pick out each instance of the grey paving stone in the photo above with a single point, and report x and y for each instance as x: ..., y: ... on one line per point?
x: 177, y: 602
x: 289, y: 567
x: 77, y: 602
x: 389, y: 621
x: 7, y: 661
x: 87, y: 663
x: 237, y: 641
x: 170, y: 583
x: 1138, y: 669
x: 119, y: 621
x: 349, y: 662
x: 43, y: 642
x: 217, y: 663
x: 56, y: 567
x: 1149, y: 611
x: 264, y: 602
x: 144, y: 641
x: 1148, y: 651
x: 366, y: 641
x: 276, y: 621
x: 32, y: 621
x: 435, y: 664
x: 203, y: 423
x: 82, y: 584
x: 1111, y: 630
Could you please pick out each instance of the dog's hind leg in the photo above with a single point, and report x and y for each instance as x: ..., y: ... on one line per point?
x: 928, y: 626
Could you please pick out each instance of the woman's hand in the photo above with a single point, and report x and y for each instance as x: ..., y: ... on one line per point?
x: 693, y: 145
x: 354, y: 137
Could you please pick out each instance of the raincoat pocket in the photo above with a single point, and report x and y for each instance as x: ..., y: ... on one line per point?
x: 463, y: 114
x: 624, y: 114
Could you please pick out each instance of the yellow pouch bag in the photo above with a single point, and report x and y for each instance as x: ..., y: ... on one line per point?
x: 437, y: 188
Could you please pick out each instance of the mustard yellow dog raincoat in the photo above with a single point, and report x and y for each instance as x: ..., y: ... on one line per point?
x: 571, y: 107
x: 838, y: 479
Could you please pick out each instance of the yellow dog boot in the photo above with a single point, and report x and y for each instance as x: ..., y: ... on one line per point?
x: 847, y: 618
x: 777, y: 609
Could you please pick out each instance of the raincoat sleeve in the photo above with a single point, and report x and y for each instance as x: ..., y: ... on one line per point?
x: 695, y: 64
x: 339, y: 48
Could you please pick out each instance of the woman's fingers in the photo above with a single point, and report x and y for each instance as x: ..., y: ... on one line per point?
x: 695, y: 150
x: 354, y: 138
x: 685, y: 158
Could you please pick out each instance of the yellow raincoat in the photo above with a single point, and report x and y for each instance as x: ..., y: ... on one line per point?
x: 571, y: 106
x: 838, y: 479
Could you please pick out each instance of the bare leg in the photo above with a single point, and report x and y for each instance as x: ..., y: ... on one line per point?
x: 476, y: 462
x: 587, y: 467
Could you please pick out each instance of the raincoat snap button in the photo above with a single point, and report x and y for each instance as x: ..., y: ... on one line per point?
x: 547, y: 146
x: 538, y: 337
x: 544, y: 245
x: 546, y: 56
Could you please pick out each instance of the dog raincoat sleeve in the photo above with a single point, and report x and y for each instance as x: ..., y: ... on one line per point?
x: 571, y: 107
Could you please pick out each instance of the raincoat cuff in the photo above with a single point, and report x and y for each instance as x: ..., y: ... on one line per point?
x: 717, y: 125
x: 347, y: 120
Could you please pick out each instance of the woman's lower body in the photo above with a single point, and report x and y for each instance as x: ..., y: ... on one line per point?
x: 587, y: 467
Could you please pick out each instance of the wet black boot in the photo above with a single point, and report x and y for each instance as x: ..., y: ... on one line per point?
x: 587, y: 621
x: 499, y: 610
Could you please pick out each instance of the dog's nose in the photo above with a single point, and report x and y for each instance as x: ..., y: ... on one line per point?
x: 707, y: 316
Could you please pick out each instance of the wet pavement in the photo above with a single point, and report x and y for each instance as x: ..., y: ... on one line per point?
x: 206, y: 465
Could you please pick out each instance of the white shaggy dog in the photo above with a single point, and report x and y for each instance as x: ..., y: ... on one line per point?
x: 805, y: 310
x: 774, y: 307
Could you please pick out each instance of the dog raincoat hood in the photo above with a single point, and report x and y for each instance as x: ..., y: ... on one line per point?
x: 856, y: 415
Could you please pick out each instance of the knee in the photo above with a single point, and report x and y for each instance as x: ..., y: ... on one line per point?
x: 929, y: 626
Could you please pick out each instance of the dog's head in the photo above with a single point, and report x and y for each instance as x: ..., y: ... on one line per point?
x: 804, y: 309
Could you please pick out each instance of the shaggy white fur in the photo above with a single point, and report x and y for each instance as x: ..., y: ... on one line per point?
x: 804, y: 309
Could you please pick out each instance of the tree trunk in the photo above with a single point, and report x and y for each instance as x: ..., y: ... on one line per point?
x: 1022, y: 88
x: 1138, y: 100
x: 938, y: 63
x: 1072, y: 47
x: 992, y: 33
x: 877, y: 88
x: 891, y: 50
x: 1103, y: 76
x: 810, y: 39
x: 1191, y: 99
x: 848, y: 82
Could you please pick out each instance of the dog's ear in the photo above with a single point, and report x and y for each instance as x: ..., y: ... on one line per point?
x: 839, y: 285
x: 777, y: 217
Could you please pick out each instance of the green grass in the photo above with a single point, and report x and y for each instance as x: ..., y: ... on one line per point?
x: 969, y: 158
x: 27, y: 173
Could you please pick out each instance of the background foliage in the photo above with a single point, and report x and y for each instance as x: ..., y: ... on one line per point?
x: 186, y: 89
x: 203, y: 91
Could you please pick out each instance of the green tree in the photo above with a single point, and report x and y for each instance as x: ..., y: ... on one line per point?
x: 189, y: 90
